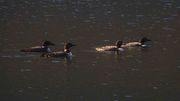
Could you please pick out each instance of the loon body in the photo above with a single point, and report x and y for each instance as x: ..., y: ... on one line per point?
x: 65, y: 53
x: 141, y: 43
x: 43, y: 48
x: 116, y: 47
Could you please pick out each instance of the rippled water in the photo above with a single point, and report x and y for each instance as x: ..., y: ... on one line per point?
x: 150, y: 74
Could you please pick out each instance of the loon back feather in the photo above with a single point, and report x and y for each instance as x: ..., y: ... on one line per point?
x: 116, y: 47
x: 131, y: 44
x: 105, y: 48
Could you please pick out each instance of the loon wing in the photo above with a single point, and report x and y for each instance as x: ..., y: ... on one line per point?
x: 34, y: 49
x: 131, y: 44
x: 106, y: 48
x: 55, y: 54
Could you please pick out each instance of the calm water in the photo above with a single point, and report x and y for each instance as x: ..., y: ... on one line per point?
x: 151, y: 74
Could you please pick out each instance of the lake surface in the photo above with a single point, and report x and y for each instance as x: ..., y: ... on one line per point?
x: 150, y: 74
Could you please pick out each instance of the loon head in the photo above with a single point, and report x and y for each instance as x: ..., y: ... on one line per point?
x: 119, y: 43
x: 68, y: 45
x: 48, y: 43
x: 143, y: 40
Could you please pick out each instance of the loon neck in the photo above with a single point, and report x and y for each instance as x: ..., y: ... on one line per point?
x: 67, y: 50
x: 142, y: 42
x: 45, y: 46
x: 118, y: 46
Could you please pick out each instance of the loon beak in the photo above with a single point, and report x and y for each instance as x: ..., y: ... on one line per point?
x: 52, y: 44
x: 148, y: 40
x: 74, y: 45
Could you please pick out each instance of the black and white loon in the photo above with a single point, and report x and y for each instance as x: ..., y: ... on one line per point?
x: 136, y: 44
x: 65, y: 53
x: 43, y: 48
x: 116, y: 47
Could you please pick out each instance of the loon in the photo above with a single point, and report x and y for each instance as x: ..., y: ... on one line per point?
x: 116, y: 47
x: 141, y: 43
x: 43, y: 48
x: 65, y: 53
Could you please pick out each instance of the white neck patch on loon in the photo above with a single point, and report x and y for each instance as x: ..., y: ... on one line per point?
x: 68, y: 52
x: 48, y: 50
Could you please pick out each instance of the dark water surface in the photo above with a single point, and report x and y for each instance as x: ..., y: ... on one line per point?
x: 151, y: 74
